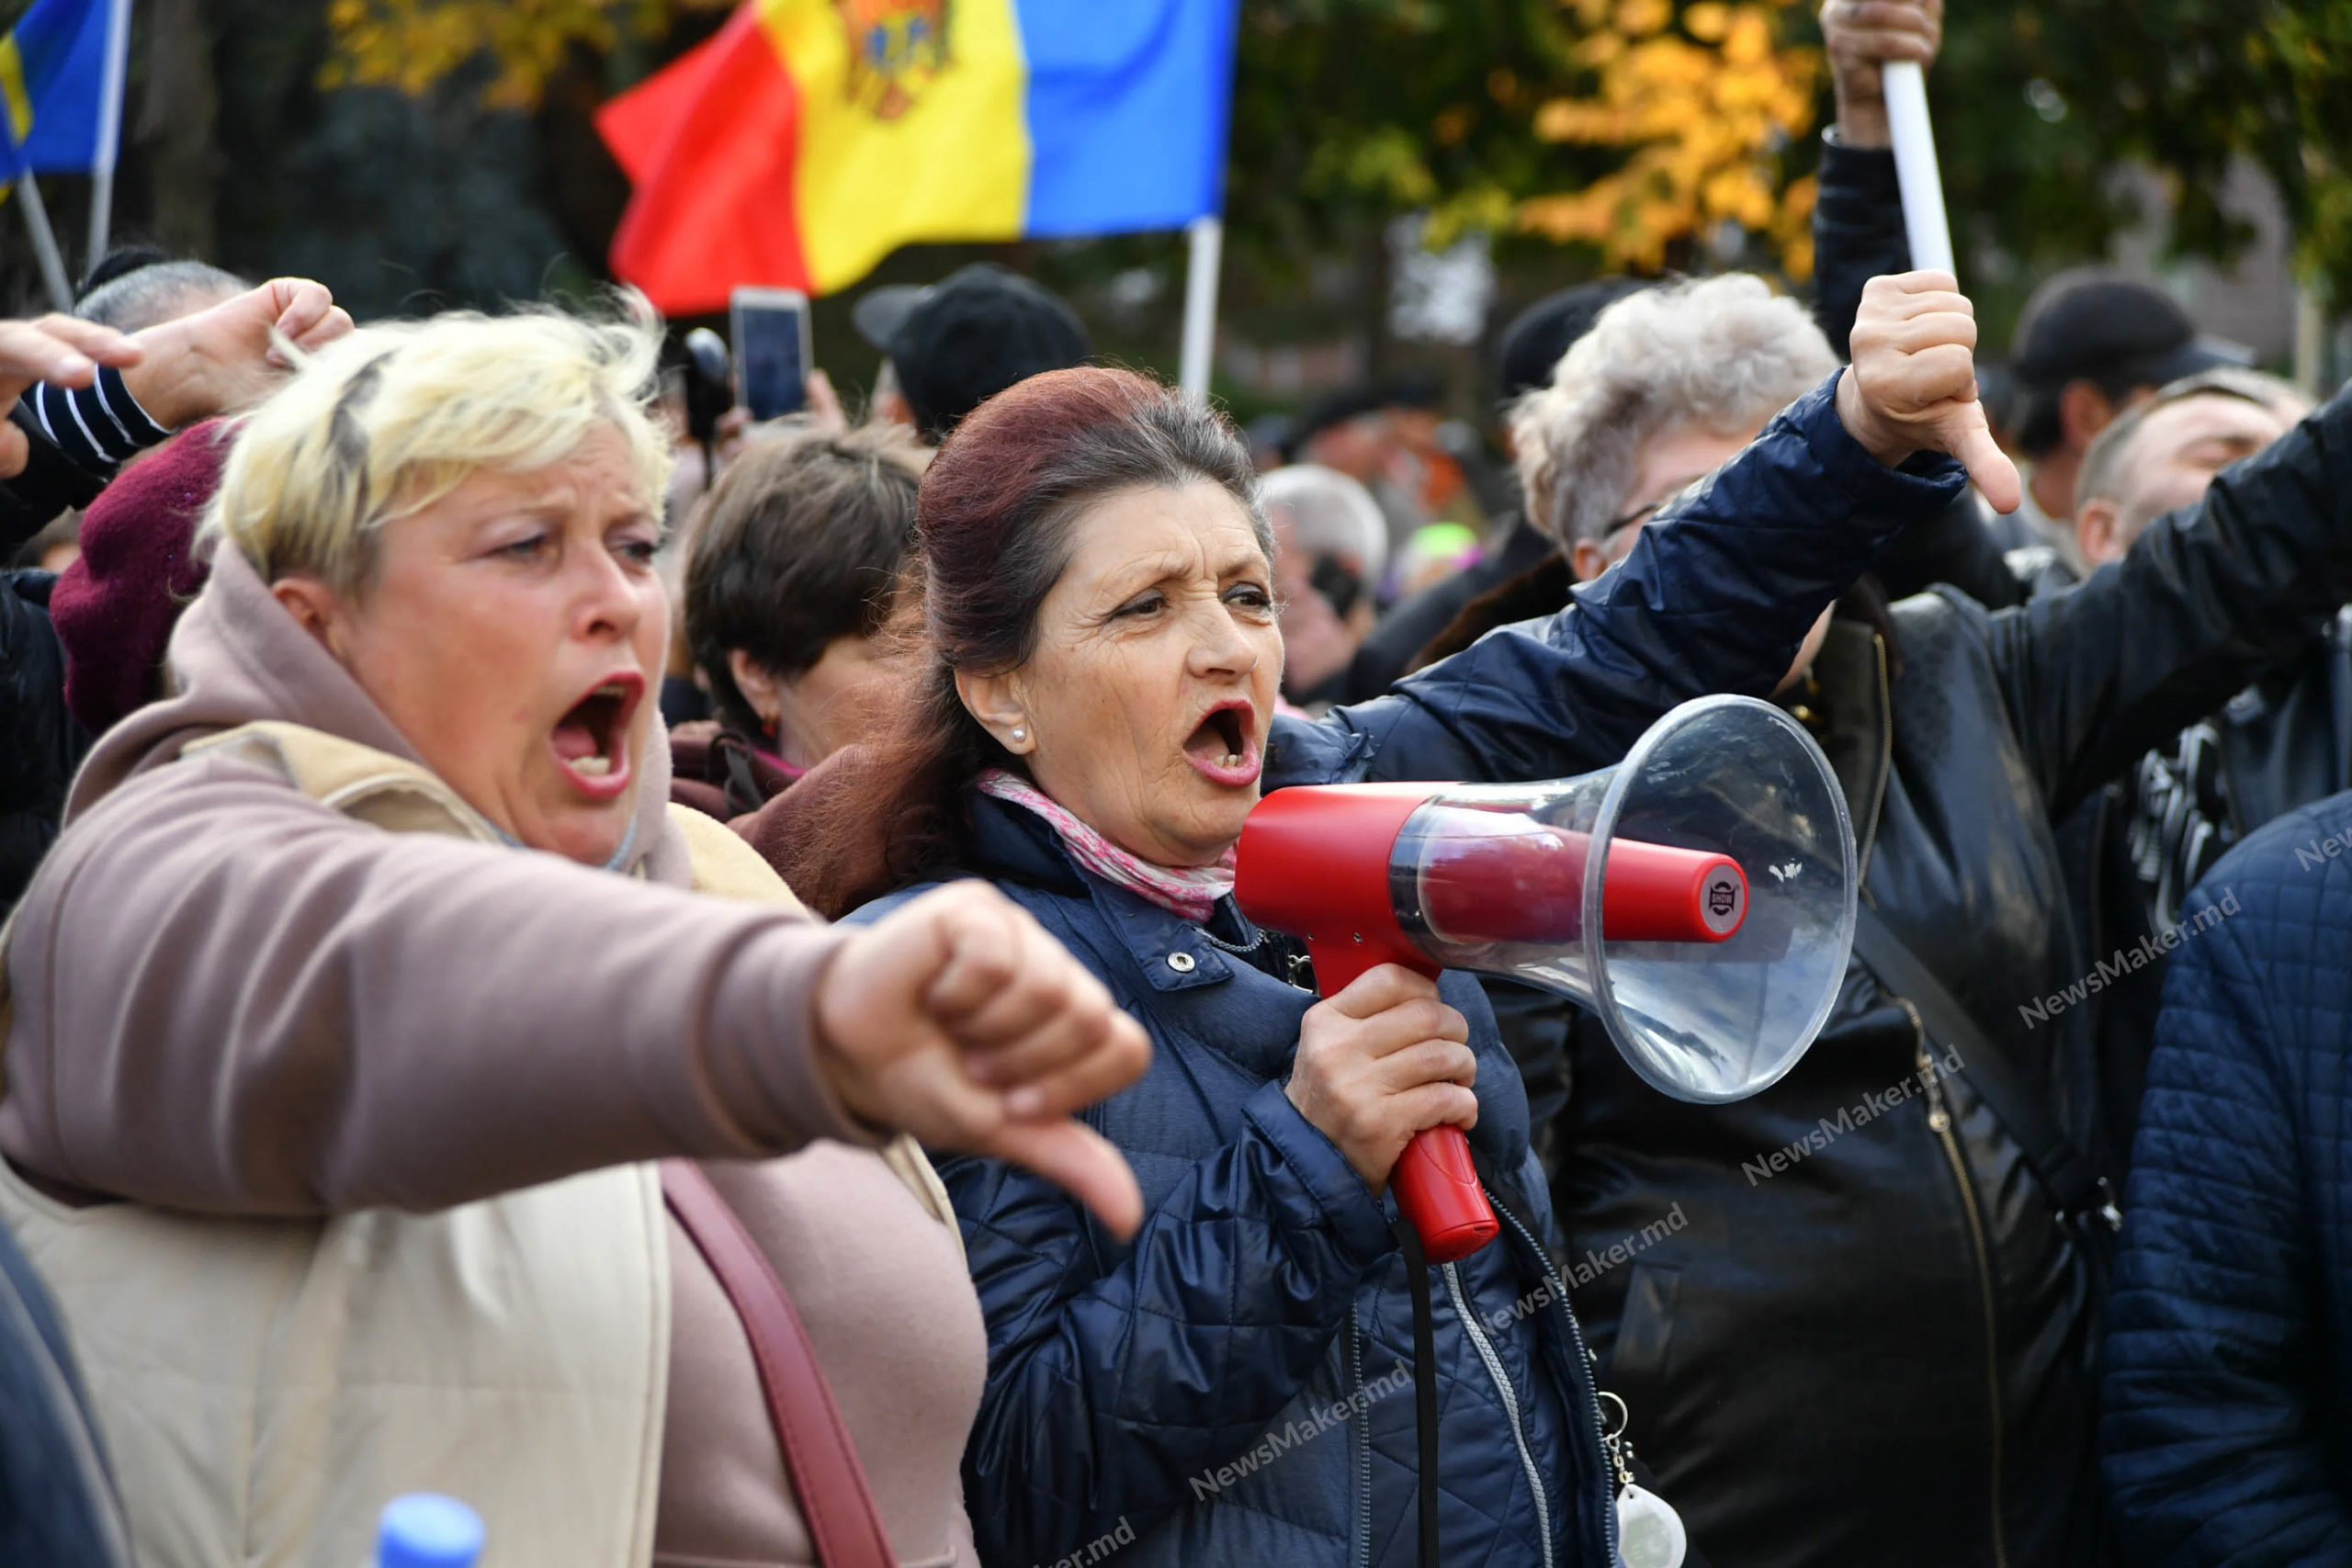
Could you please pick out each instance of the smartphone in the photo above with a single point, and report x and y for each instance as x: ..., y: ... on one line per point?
x: 771, y: 330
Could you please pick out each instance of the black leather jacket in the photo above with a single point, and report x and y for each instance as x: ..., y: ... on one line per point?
x: 1881, y: 1352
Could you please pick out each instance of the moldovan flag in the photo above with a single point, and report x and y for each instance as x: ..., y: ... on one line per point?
x: 810, y: 138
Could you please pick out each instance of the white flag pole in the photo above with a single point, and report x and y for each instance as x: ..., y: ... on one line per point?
x: 52, y: 265
x: 1915, y: 167
x: 118, y: 50
x: 1207, y: 237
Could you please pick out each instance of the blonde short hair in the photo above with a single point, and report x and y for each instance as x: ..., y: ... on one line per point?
x: 1723, y: 354
x: 389, y: 419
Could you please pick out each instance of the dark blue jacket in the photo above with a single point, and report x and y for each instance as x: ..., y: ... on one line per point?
x: 2227, y: 1435
x: 1224, y: 1389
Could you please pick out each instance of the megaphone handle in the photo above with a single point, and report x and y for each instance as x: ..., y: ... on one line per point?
x: 1435, y: 1182
x: 1437, y: 1189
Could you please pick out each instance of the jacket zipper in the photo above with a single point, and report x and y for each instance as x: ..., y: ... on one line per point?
x: 1584, y: 1358
x: 1941, y: 1121
x: 1510, y: 1406
x: 1360, y: 1439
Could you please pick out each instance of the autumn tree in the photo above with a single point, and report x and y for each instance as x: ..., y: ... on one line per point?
x: 1701, y: 99
x: 413, y: 44
x: 1632, y: 130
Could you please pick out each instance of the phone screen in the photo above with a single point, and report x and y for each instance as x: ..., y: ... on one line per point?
x: 769, y: 350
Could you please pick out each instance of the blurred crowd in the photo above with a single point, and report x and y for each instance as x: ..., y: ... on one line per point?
x: 680, y: 979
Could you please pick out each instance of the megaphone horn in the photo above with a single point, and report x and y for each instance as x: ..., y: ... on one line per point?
x: 1710, y: 942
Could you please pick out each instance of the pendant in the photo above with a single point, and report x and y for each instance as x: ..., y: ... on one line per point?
x: 1649, y: 1533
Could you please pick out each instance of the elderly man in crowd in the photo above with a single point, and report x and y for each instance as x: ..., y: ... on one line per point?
x: 2090, y: 346
x: 2277, y: 744
x: 1330, y: 543
x: 138, y: 286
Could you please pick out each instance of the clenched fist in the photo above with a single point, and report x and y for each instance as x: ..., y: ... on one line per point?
x: 1911, y: 386
x: 1860, y: 36
x: 226, y: 360
x: 957, y: 1018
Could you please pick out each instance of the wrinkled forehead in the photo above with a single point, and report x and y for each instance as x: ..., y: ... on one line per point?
x: 1155, y: 531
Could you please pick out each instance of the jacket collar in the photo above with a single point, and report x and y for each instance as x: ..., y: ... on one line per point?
x: 1170, y: 953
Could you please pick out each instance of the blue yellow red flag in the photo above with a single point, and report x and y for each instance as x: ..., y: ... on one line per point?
x: 810, y: 138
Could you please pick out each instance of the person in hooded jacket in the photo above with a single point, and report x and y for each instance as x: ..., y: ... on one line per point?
x: 1093, y: 720
x: 400, y: 1093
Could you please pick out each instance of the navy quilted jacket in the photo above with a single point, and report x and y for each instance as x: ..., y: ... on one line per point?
x: 2227, y: 1435
x: 1233, y: 1387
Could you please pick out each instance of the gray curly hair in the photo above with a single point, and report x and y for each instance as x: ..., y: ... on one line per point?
x: 1722, y: 353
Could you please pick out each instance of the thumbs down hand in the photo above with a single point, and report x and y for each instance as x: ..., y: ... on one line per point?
x: 1911, y: 386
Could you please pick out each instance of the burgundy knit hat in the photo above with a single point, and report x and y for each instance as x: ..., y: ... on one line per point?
x: 115, y: 606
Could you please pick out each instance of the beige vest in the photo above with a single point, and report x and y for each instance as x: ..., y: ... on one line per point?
x: 265, y: 1386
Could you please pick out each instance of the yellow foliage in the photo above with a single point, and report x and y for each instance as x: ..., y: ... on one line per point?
x: 1707, y: 21
x: 1702, y: 101
x: 1639, y: 18
x: 412, y: 44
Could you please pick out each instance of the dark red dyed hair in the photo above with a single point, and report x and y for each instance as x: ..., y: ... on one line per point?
x: 992, y: 530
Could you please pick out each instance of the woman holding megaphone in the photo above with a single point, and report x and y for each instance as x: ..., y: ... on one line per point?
x: 1093, y: 720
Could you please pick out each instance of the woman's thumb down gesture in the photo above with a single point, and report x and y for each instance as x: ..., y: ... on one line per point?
x: 956, y: 1018
x: 1911, y: 386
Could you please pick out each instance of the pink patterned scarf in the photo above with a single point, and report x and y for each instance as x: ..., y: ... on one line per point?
x: 1187, y: 892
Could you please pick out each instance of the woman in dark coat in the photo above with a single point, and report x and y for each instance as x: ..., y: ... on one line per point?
x: 1095, y: 721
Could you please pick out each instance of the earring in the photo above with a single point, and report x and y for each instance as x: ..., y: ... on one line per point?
x: 1019, y: 733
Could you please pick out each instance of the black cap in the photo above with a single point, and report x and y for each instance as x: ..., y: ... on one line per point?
x: 120, y: 262
x: 968, y: 338
x: 1539, y: 335
x: 2093, y: 324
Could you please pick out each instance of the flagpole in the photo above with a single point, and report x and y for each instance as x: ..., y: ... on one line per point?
x: 109, y: 125
x: 1207, y: 236
x: 52, y: 265
x: 1916, y: 173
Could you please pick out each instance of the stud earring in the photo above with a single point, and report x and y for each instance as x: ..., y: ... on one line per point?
x: 1019, y: 733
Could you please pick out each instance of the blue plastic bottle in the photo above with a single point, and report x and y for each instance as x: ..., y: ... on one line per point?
x: 424, y: 1529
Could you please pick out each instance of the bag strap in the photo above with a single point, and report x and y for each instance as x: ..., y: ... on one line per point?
x: 843, y: 1525
x: 2055, y: 1158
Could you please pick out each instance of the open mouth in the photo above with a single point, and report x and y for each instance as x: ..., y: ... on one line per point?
x: 591, y: 740
x: 1225, y: 745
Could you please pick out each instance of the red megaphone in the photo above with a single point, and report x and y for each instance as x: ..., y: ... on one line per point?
x: 1422, y: 875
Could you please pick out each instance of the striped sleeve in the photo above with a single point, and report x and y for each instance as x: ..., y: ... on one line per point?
x: 100, y: 426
